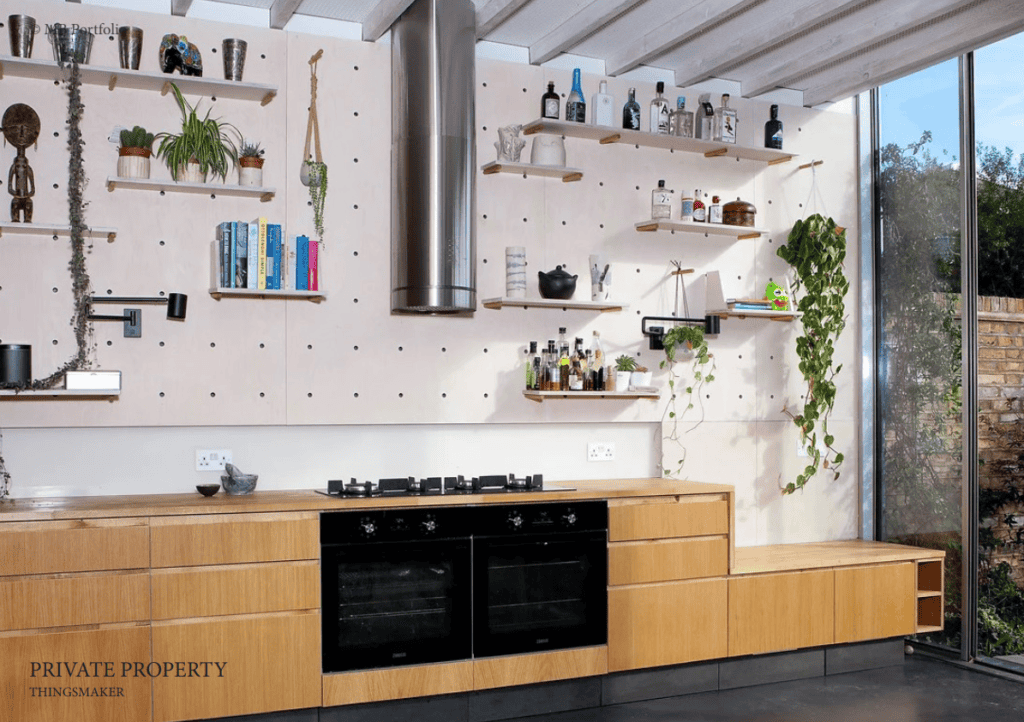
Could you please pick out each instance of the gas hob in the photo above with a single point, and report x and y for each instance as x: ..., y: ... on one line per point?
x: 438, y: 485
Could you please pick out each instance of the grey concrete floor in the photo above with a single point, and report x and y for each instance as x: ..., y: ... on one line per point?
x: 922, y: 690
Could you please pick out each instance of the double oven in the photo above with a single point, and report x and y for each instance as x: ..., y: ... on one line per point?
x: 421, y: 585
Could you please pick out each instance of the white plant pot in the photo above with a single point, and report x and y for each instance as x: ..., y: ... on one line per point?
x: 641, y: 378
x: 132, y: 166
x: 250, y: 177
x: 190, y: 173
x: 622, y: 380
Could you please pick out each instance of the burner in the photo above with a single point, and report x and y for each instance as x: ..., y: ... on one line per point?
x: 366, y: 489
x: 464, y: 484
x: 514, y: 483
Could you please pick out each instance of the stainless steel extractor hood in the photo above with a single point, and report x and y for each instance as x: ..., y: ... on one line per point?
x: 433, y: 195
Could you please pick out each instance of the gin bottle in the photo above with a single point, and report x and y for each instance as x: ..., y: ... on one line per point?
x: 549, y: 103
x: 661, y: 202
x: 603, y: 107
x: 631, y: 112
x: 725, y: 122
x: 773, y: 130
x: 680, y: 123
x: 575, y: 105
x: 659, y: 111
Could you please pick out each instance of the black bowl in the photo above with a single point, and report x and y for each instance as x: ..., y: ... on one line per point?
x: 207, y: 489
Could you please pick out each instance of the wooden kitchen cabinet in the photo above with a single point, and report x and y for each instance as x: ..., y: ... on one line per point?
x: 779, y: 612
x: 187, y: 541
x: 876, y: 602
x: 657, y: 624
x: 269, y: 663
x: 42, y: 547
x: 667, y: 560
x: 72, y: 600
x: 668, y: 517
x: 539, y: 667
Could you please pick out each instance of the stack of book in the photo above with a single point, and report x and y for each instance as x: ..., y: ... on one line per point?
x: 255, y: 256
x: 749, y: 304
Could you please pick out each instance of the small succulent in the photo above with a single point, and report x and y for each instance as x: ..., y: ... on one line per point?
x: 137, y: 137
x: 625, y: 363
x: 250, y: 149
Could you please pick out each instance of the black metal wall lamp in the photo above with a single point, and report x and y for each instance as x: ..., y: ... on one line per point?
x: 656, y: 334
x: 132, y: 318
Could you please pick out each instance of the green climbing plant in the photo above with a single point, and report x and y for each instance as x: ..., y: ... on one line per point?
x: 317, y: 194
x: 816, y: 248
x: 702, y: 372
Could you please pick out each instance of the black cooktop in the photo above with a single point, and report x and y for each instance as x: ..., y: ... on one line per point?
x: 438, y: 485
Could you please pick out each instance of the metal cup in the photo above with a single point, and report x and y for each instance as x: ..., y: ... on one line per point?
x: 129, y: 46
x: 71, y: 44
x: 234, y: 58
x: 23, y: 31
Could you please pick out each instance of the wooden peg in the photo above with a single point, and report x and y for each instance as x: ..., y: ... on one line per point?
x: 1, y: 71
x: 316, y: 56
x: 268, y: 97
x: 811, y: 164
x: 682, y: 271
x: 166, y: 89
x: 112, y: 82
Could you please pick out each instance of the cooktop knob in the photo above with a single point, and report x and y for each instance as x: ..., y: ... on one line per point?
x: 367, y: 527
x: 515, y: 520
x: 429, y: 524
x: 569, y: 518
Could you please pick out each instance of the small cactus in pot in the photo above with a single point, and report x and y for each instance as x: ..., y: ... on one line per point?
x: 250, y: 164
x: 134, y: 153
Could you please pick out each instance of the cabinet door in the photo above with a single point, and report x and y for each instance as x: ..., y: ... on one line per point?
x: 65, y: 601
x: 234, y: 539
x: 667, y: 560
x: 875, y: 602
x: 776, y: 612
x: 656, y: 624
x: 267, y: 663
x: 665, y: 518
x: 42, y: 677
x: 45, y: 547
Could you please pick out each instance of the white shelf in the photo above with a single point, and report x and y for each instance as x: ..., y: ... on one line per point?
x: 315, y: 296
x: 711, y: 229
x: 49, y: 229
x: 769, y: 314
x: 540, y: 396
x: 606, y: 136
x: 224, y: 189
x: 138, y: 79
x: 568, y: 175
x: 603, y: 306
x: 60, y: 393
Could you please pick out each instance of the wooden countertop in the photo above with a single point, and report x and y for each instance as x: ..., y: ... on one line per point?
x: 820, y: 555
x: 96, y: 507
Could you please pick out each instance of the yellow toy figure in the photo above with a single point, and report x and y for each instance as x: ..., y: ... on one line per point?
x: 774, y: 293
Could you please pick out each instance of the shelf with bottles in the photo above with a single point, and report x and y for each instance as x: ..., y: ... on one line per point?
x: 69, y: 394
x: 138, y: 79
x: 50, y: 229
x: 712, y: 229
x: 602, y: 306
x: 568, y: 175
x: 214, y: 189
x: 314, y: 296
x: 540, y: 396
x: 607, y: 135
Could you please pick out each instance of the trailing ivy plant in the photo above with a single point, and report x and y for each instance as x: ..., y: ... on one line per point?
x: 702, y: 371
x: 317, y: 193
x: 816, y: 248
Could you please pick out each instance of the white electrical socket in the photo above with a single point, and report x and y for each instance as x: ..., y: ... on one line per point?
x: 600, y: 451
x: 212, y: 459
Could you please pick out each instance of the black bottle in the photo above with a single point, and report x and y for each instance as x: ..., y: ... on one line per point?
x: 631, y: 112
x: 550, y: 103
x: 773, y: 131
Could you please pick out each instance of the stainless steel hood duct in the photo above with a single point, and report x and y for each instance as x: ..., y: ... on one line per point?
x: 433, y: 158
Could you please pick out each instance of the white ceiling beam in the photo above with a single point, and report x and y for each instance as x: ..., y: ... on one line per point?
x: 694, y: 17
x: 952, y: 36
x: 854, y: 33
x: 281, y: 12
x: 180, y: 7
x: 577, y: 28
x: 382, y: 17
x: 494, y: 13
x: 730, y: 44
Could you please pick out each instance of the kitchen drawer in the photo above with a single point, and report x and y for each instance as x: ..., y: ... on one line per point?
x: 657, y: 624
x: 66, y: 601
x: 876, y: 602
x: 778, y: 612
x: 48, y: 547
x: 234, y: 539
x: 375, y: 685
x: 237, y: 589
x: 668, y: 517
x: 540, y: 667
x: 667, y: 560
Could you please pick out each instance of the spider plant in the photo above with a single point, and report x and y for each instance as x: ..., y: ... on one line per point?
x: 206, y: 141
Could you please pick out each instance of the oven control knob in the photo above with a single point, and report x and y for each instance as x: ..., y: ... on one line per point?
x: 429, y: 524
x: 569, y: 518
x: 367, y: 527
x: 515, y: 521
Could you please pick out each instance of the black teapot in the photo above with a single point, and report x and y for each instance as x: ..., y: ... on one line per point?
x: 557, y: 284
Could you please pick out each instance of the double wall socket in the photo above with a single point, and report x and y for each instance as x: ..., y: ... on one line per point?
x: 600, y: 451
x: 212, y: 459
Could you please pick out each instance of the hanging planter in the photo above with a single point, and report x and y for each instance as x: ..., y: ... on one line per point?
x: 313, y: 173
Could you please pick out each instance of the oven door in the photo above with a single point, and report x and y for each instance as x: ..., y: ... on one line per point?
x: 395, y: 603
x: 537, y: 592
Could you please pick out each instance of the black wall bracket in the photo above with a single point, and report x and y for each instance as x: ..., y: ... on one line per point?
x: 656, y: 334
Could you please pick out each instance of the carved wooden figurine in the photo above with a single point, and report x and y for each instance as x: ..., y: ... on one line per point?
x: 21, y: 129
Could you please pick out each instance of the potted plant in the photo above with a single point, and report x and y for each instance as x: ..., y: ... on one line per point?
x: 203, y: 145
x: 640, y: 376
x: 134, y: 153
x: 250, y: 164
x: 314, y: 176
x: 702, y: 371
x: 624, y: 367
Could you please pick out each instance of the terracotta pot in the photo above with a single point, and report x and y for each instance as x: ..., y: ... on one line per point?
x: 133, y: 162
x: 249, y: 161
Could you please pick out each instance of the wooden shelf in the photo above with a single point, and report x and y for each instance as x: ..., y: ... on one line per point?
x: 314, y: 296
x: 224, y: 189
x: 49, y: 229
x: 568, y: 175
x: 711, y: 229
x: 606, y: 136
x: 138, y: 80
x: 60, y: 393
x: 922, y: 594
x: 602, y: 306
x: 785, y: 316
x: 539, y: 396
x: 925, y: 628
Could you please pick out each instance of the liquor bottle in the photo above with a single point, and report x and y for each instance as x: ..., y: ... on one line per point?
x: 597, y: 361
x: 563, y: 360
x: 686, y: 208
x: 703, y: 124
x: 631, y: 112
x: 680, y: 123
x: 531, y: 368
x: 603, y: 107
x: 588, y: 371
x: 725, y: 122
x: 661, y: 201
x: 575, y: 105
x: 551, y: 367
x: 549, y: 103
x: 576, y: 367
x: 659, y: 111
x: 700, y: 213
x: 715, y: 211
x: 773, y: 130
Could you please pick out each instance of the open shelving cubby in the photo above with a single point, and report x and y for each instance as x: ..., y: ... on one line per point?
x: 930, y: 606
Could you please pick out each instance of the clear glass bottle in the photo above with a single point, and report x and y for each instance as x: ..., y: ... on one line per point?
x: 597, y: 362
x: 700, y: 212
x: 680, y: 123
x: 631, y: 112
x: 705, y: 120
x: 661, y: 202
x: 575, y: 105
x: 576, y: 367
x: 550, y: 103
x: 686, y: 208
x: 725, y: 122
x: 563, y: 360
x: 602, y: 107
x: 529, y: 368
x: 715, y: 210
x: 551, y: 367
x: 659, y: 111
x: 773, y: 130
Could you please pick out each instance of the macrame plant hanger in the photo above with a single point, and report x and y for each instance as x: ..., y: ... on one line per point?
x: 313, y: 124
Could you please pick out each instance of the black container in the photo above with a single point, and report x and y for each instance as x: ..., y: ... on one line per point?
x: 15, y: 364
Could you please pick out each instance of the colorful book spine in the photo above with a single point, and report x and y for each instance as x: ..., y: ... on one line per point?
x: 314, y: 266
x: 302, y: 263
x: 223, y: 239
x: 232, y: 255
x: 242, y: 255
x: 288, y: 264
x: 262, y: 254
x: 252, y: 281
x: 274, y: 249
